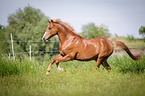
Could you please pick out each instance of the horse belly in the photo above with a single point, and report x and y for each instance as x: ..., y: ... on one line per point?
x: 89, y: 53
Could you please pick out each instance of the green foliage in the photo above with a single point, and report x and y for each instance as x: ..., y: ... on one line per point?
x: 3, y: 37
x: 91, y: 31
x: 8, y: 68
x: 22, y: 25
x: 130, y: 37
x: 27, y: 78
x: 142, y: 31
x: 1, y: 27
x: 15, y: 67
x: 29, y: 24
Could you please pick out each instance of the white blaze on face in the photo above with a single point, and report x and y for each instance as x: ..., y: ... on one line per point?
x: 44, y: 35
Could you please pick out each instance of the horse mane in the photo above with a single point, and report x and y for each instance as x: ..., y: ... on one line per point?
x: 65, y: 24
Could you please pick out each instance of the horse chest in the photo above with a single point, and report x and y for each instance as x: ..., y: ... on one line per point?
x: 65, y: 49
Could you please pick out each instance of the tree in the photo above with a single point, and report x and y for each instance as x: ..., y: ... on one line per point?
x: 130, y: 37
x: 28, y: 24
x: 91, y: 31
x: 3, y: 37
x: 142, y: 31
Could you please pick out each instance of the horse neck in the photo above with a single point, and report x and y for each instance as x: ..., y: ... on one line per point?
x: 64, y: 34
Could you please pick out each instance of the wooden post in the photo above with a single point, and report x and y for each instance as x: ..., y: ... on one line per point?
x: 12, y: 47
x: 30, y: 52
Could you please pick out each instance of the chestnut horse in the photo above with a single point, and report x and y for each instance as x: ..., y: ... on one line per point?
x: 74, y: 47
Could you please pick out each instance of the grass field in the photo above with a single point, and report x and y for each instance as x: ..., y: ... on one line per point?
x: 27, y: 78
x: 132, y: 43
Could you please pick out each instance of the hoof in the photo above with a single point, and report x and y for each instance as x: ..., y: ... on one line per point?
x: 47, y: 73
x: 94, y: 70
x: 61, y: 69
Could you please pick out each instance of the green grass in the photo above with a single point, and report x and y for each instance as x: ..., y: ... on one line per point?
x: 27, y: 78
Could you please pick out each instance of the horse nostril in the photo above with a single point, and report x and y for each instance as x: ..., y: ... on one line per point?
x: 43, y: 39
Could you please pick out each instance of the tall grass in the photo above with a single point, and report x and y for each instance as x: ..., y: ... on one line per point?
x: 15, y: 67
x: 27, y: 78
x: 126, y: 64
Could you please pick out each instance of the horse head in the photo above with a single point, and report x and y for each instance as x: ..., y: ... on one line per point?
x: 50, y: 31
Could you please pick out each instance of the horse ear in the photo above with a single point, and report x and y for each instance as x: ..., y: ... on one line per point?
x: 51, y: 20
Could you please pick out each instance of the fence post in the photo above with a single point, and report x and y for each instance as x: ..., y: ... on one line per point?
x: 30, y: 52
x: 12, y: 47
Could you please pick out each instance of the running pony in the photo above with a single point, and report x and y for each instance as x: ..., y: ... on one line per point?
x: 74, y: 47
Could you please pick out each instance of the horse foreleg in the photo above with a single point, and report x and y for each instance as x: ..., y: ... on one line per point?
x: 49, y: 67
x: 51, y: 63
x: 62, y: 59
x: 62, y: 69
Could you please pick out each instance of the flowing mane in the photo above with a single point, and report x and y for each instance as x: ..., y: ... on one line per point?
x: 64, y: 23
x: 67, y: 25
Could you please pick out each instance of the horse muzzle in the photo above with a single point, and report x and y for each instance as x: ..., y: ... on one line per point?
x: 45, y: 39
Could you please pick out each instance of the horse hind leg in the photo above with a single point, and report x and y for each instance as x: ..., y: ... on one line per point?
x: 106, y: 65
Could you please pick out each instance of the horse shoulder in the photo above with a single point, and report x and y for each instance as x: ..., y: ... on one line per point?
x: 70, y: 46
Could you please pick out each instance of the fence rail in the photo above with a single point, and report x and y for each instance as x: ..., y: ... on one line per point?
x: 28, y: 41
x: 57, y: 51
x: 30, y: 52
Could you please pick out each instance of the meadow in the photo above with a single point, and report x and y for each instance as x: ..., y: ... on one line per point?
x: 27, y: 78
x: 132, y: 43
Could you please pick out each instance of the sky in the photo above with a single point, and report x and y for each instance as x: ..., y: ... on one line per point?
x: 123, y: 17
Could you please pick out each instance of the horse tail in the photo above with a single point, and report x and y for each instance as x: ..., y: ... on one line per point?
x: 125, y: 48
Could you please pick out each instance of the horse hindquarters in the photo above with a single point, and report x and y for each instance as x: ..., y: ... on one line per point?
x: 105, y: 50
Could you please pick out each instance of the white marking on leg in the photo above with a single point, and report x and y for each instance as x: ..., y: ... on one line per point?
x: 62, y: 69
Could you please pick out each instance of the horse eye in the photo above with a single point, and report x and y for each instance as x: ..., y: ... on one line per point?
x: 49, y: 28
